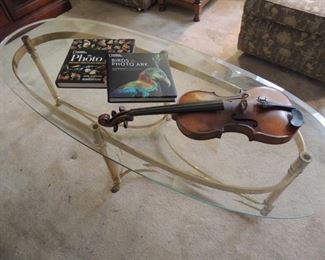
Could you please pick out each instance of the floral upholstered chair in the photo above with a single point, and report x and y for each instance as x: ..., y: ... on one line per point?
x: 290, y: 33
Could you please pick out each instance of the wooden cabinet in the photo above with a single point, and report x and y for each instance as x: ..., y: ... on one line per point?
x: 17, y: 13
x: 20, y: 8
x: 4, y: 19
x: 195, y: 5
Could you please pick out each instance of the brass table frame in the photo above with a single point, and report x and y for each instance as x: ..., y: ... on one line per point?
x: 102, y: 137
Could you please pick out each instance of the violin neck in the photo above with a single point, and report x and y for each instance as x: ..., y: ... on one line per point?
x: 204, y: 106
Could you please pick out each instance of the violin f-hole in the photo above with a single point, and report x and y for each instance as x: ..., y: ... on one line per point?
x: 243, y: 118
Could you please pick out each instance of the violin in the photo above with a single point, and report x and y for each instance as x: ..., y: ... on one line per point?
x: 262, y: 114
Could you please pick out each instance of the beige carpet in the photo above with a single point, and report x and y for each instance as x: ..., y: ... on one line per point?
x: 53, y: 196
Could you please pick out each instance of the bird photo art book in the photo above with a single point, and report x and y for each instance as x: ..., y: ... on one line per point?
x: 139, y: 77
x: 85, y: 63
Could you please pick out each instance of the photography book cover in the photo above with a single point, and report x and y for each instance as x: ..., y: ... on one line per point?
x: 85, y: 63
x: 140, y: 77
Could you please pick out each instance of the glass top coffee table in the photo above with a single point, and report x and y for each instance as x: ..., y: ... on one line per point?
x: 277, y: 181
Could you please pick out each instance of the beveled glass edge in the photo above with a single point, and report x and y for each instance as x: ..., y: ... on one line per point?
x: 220, y: 206
x: 5, y: 40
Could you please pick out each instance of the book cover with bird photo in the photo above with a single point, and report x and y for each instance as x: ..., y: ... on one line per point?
x: 140, y: 77
x: 85, y: 63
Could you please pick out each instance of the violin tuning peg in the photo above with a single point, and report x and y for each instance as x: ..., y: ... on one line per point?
x: 122, y: 108
x: 103, y: 119
x: 125, y: 124
x: 113, y: 113
x: 115, y: 128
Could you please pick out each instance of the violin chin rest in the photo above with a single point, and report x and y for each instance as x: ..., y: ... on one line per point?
x: 297, y: 119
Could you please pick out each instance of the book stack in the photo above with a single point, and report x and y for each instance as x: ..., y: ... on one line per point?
x: 111, y: 64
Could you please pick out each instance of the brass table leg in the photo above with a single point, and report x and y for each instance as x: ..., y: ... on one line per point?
x: 112, y: 166
x: 32, y: 51
x: 296, y: 168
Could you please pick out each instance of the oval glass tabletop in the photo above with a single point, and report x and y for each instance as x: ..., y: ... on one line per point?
x: 277, y: 181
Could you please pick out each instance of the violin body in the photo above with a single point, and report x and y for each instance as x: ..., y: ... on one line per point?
x: 258, y: 124
x: 262, y: 114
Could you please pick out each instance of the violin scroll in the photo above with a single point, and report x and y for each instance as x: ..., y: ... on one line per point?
x: 115, y: 119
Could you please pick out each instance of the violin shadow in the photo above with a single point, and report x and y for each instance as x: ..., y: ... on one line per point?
x: 307, y: 89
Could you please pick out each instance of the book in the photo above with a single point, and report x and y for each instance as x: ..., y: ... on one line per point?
x: 140, y: 77
x: 85, y: 63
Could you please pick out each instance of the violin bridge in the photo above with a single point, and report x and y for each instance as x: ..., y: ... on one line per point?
x: 243, y: 104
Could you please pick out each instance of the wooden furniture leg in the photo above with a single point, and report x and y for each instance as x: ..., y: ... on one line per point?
x: 197, y: 7
x: 162, y: 5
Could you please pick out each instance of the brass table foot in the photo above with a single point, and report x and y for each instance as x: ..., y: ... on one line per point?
x: 115, y: 188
